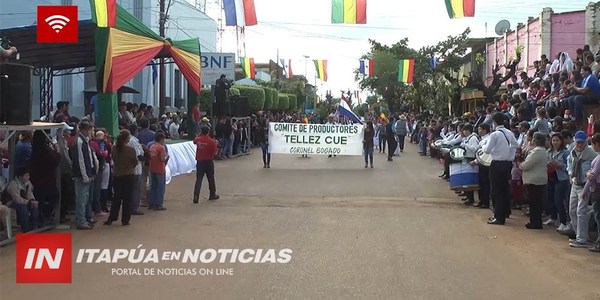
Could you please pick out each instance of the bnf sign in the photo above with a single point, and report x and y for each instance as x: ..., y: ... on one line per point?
x: 215, y: 64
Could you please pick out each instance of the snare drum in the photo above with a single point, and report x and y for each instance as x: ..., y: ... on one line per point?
x: 464, y: 177
x: 483, y: 158
x: 457, y: 153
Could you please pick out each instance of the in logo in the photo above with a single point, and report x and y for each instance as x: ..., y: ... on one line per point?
x: 44, y: 258
x: 57, y: 24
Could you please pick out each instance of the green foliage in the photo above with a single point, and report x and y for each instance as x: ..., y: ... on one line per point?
x: 293, y: 102
x: 429, y: 87
x: 234, y: 91
x: 268, y: 97
x: 204, y: 100
x: 256, y: 96
x: 275, y: 103
x: 284, y: 102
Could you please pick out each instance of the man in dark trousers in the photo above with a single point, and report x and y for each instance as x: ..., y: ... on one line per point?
x: 391, y: 139
x: 206, y: 150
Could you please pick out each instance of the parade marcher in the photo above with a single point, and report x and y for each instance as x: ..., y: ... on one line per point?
x: 470, y: 144
x: 401, y: 130
x: 484, y: 171
x: 206, y: 150
x: 381, y: 131
x: 368, y: 143
x: 391, y: 139
x: 263, y: 140
x: 501, y: 146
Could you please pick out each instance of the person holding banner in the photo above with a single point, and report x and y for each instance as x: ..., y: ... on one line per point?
x: 331, y: 121
x: 368, y: 143
x: 263, y: 140
x: 391, y: 139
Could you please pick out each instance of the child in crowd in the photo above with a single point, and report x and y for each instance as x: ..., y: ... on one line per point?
x: 423, y: 140
x: 541, y: 123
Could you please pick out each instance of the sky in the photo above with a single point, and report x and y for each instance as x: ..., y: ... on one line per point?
x: 303, y: 28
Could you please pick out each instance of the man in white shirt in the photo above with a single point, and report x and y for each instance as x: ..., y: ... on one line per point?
x: 454, y: 138
x: 501, y: 146
x: 484, y: 171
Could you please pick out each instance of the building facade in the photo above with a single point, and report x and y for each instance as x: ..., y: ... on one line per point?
x: 548, y: 34
x: 185, y: 21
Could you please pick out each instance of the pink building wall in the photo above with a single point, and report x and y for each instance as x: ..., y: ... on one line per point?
x: 568, y: 33
x: 535, y: 45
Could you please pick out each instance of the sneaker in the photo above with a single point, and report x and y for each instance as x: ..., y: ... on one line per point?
x: 577, y: 244
x: 595, y: 248
x: 214, y: 197
x: 100, y: 214
x: 84, y: 227
x: 562, y: 227
x: 550, y: 222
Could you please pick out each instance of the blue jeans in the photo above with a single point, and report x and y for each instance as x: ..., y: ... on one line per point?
x: 136, y: 196
x: 557, y: 193
x: 368, y: 150
x: 265, y: 153
x: 28, y: 217
x: 82, y: 199
x: 157, y: 189
x: 596, y: 208
x: 228, y: 147
x: 575, y: 104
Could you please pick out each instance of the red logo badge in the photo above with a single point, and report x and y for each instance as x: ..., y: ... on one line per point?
x: 44, y: 258
x: 57, y: 24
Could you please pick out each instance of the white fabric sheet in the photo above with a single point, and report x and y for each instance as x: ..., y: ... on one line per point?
x: 182, y: 159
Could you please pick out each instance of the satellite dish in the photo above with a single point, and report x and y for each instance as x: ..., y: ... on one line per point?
x: 502, y: 27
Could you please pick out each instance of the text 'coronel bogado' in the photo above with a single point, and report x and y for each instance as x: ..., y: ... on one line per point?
x: 205, y: 256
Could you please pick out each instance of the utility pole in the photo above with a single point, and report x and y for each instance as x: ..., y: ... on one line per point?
x: 163, y: 75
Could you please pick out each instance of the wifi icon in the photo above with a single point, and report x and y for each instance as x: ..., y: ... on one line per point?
x: 57, y: 22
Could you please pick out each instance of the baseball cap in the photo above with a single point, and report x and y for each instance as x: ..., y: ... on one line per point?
x: 66, y: 126
x: 205, y: 119
x: 580, y: 136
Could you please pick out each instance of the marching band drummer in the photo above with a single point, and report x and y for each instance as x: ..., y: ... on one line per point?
x: 453, y: 138
x: 484, y: 171
x: 470, y: 144
x: 501, y: 146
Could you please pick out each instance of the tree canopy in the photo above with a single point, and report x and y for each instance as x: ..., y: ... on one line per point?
x: 435, y: 80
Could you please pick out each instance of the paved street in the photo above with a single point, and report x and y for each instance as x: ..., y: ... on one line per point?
x: 392, y: 232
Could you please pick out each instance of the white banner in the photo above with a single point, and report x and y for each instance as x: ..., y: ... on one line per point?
x: 213, y: 65
x: 323, y: 139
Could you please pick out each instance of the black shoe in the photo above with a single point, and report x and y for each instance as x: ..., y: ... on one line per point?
x: 495, y: 221
x: 137, y: 213
x: 529, y: 226
x: 482, y: 205
x: 214, y: 197
x: 389, y: 159
x: 469, y: 203
x: 195, y: 200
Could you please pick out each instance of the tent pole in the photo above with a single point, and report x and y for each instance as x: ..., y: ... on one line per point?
x: 162, y: 87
